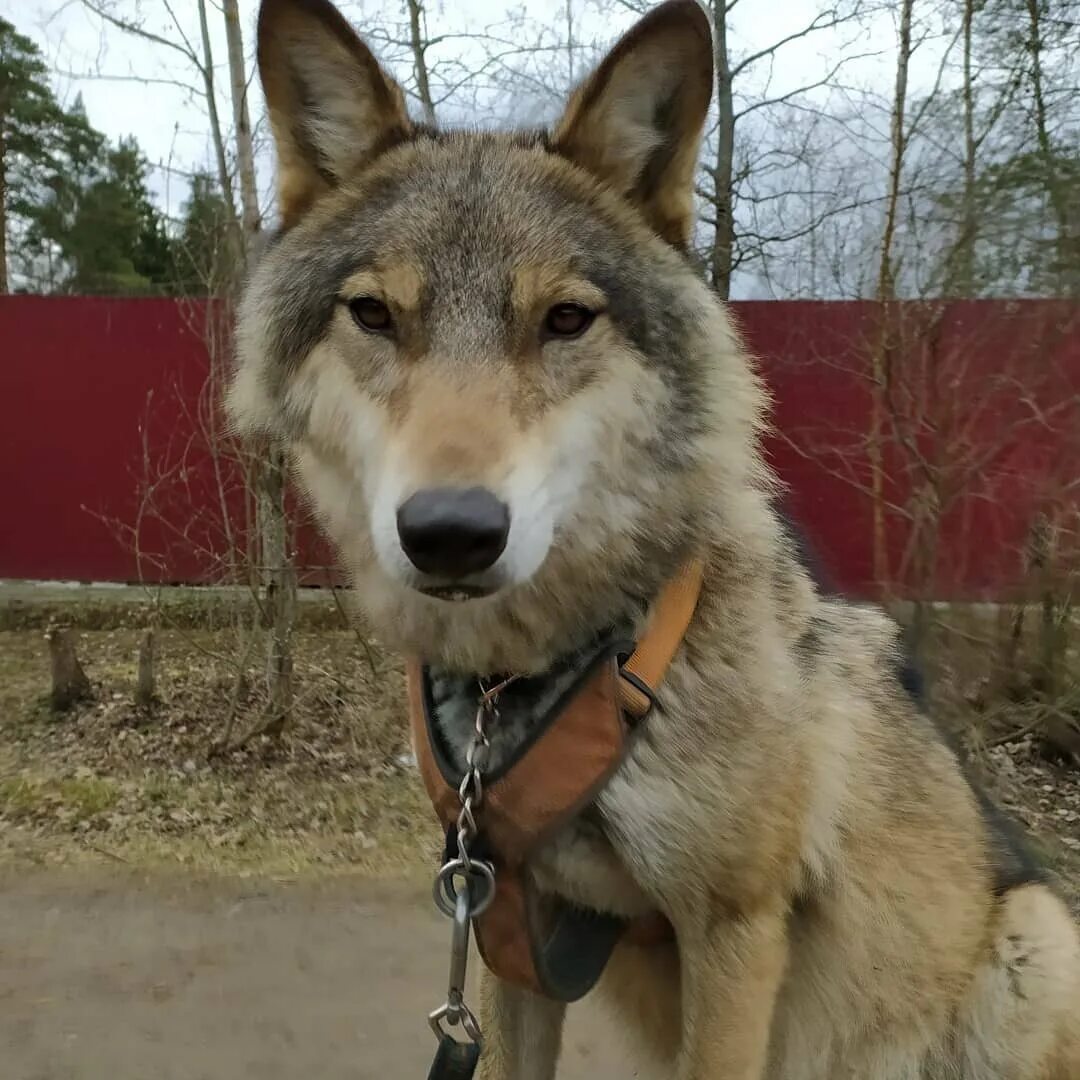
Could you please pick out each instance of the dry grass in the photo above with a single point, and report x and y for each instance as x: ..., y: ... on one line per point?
x: 985, y: 696
x: 108, y: 780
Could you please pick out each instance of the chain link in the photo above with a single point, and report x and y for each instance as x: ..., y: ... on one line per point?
x: 460, y: 902
x: 471, y: 789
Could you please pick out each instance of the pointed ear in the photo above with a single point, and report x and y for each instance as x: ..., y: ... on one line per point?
x: 637, y: 121
x: 332, y: 107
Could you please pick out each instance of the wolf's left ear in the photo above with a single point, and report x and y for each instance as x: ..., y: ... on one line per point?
x: 637, y: 121
x: 332, y: 107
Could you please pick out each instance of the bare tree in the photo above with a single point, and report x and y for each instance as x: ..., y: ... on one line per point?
x: 721, y: 173
x: 278, y: 572
x: 726, y: 183
x: 886, y: 283
x: 200, y: 58
x: 245, y: 149
x: 418, y: 41
x: 965, y: 272
x: 273, y: 570
x: 1035, y: 46
x: 991, y: 172
x: 886, y: 287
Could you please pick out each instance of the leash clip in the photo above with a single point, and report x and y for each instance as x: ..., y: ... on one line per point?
x: 465, y: 901
x: 456, y: 1059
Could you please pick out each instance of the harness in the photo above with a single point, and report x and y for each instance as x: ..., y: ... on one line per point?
x: 494, y: 821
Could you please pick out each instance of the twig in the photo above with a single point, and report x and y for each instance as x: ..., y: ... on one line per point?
x: 109, y: 854
x: 1018, y: 734
x: 222, y: 745
x: 359, y: 637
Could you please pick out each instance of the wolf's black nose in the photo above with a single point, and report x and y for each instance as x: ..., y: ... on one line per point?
x: 453, y: 532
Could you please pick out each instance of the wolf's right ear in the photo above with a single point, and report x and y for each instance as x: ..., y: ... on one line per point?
x: 332, y: 107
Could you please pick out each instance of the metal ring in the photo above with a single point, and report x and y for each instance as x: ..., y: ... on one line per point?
x: 471, y: 1025
x: 478, y: 872
x: 468, y: 1021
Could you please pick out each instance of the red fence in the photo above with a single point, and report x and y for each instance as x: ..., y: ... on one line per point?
x: 106, y: 472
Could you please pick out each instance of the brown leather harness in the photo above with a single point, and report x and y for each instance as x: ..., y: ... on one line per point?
x: 547, y: 945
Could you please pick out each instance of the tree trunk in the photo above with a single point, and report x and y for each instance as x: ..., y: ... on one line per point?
x: 964, y: 279
x: 724, y: 235
x: 277, y: 577
x: 69, y: 682
x: 1054, y: 188
x: 280, y: 591
x: 217, y: 137
x: 419, y: 46
x: 571, y: 74
x: 245, y: 152
x: 886, y: 294
x: 145, y: 688
x: 1053, y: 638
x: 3, y: 212
x: 886, y: 285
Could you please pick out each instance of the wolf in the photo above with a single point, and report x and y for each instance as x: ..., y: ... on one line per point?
x: 517, y: 409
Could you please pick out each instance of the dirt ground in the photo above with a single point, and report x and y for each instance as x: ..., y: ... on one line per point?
x: 114, y: 976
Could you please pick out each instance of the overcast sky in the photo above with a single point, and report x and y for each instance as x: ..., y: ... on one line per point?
x: 104, y: 64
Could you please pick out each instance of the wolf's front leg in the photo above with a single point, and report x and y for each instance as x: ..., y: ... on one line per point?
x: 522, y: 1032
x: 732, y: 967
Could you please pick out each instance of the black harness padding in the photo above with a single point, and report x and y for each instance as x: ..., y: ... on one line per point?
x: 454, y: 1060
x: 573, y: 948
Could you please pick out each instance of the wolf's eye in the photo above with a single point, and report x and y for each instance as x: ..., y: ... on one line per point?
x: 568, y: 321
x: 371, y: 315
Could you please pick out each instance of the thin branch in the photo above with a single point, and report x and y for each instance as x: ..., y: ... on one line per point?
x: 134, y: 28
x: 812, y: 27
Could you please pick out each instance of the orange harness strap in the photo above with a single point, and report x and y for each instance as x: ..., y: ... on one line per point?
x: 670, y: 620
x: 555, y: 779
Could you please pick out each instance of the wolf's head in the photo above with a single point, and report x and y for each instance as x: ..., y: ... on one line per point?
x: 512, y: 401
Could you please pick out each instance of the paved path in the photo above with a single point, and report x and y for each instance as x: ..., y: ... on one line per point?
x: 116, y: 977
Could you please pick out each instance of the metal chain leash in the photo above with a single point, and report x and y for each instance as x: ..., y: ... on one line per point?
x: 464, y: 885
